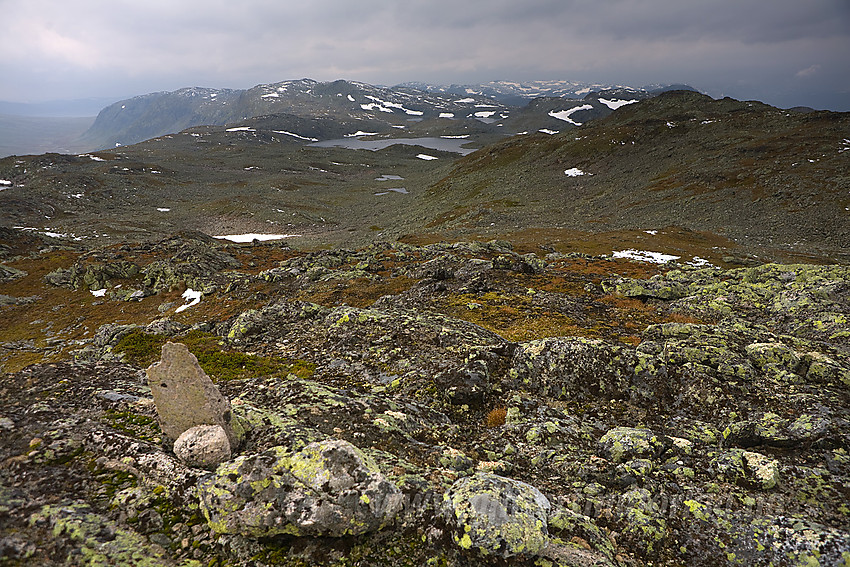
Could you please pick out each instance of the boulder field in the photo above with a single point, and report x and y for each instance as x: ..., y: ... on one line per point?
x: 449, y: 404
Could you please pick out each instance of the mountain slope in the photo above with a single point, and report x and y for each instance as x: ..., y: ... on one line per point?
x: 773, y: 182
x: 147, y: 116
x: 519, y: 93
x: 156, y: 114
x: 741, y: 169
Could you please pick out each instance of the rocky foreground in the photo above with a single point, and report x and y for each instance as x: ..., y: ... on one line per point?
x: 451, y: 404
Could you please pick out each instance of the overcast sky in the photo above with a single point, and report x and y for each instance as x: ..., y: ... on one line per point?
x: 784, y: 52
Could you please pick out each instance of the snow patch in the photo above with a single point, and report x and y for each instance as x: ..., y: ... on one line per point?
x: 295, y: 135
x: 652, y: 232
x: 456, y: 137
x: 375, y: 106
x: 447, y: 115
x: 485, y: 114
x: 386, y: 177
x: 548, y: 131
x: 93, y: 158
x: 575, y: 172
x: 614, y: 104
x: 98, y: 292
x: 241, y: 129
x: 465, y: 100
x: 645, y: 256
x: 699, y: 262
x: 270, y: 95
x: 241, y: 238
x: 565, y: 114
x: 192, y: 296
x: 163, y: 209
x: 351, y: 98
x: 361, y: 133
x: 401, y: 190
x: 426, y: 157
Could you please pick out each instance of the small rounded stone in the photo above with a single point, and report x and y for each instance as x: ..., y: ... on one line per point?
x: 203, y: 446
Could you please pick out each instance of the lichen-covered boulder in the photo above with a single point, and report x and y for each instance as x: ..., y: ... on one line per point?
x: 497, y: 516
x: 656, y: 288
x: 574, y: 368
x: 326, y: 489
x: 747, y: 468
x: 203, y: 446
x: 626, y: 443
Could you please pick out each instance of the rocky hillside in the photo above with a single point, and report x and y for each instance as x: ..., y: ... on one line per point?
x: 475, y: 403
x: 748, y: 178
x: 744, y: 170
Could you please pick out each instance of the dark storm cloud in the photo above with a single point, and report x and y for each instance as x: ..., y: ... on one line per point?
x: 782, y: 51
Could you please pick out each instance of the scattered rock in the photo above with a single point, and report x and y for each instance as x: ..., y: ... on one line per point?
x: 625, y: 443
x: 498, y: 516
x: 327, y: 489
x: 203, y: 446
x: 185, y: 396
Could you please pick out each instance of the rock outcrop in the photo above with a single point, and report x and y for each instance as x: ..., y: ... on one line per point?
x: 185, y: 397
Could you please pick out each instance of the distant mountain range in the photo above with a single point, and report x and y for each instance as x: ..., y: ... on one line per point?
x: 519, y: 93
x: 383, y: 108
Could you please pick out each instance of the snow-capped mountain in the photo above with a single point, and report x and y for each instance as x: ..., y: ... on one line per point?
x: 519, y: 93
x: 147, y: 116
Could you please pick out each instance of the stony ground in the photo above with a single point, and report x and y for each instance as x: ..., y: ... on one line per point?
x: 441, y: 404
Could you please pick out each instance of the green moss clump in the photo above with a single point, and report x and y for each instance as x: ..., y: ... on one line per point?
x: 140, y: 348
x: 219, y: 362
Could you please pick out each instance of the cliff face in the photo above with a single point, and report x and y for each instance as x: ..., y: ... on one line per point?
x: 460, y: 404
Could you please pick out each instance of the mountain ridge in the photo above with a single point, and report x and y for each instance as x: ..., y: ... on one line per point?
x: 155, y: 114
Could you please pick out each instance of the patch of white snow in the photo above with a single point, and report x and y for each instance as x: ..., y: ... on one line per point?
x: 192, y: 296
x: 426, y: 157
x: 548, y: 131
x: 565, y: 114
x: 645, y: 256
x: 98, y: 292
x: 447, y: 115
x: 241, y: 129
x: 163, y: 209
x: 614, y: 104
x: 241, y: 238
x: 295, y: 135
x: 575, y: 172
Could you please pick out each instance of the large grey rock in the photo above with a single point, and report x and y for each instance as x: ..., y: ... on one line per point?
x: 327, y: 489
x: 204, y: 446
x: 185, y: 396
x: 497, y: 516
x: 621, y: 444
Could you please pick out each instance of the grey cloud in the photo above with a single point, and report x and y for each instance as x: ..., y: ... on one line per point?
x: 743, y: 47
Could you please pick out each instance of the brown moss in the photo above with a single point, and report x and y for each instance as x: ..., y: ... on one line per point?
x: 496, y: 417
x: 358, y: 292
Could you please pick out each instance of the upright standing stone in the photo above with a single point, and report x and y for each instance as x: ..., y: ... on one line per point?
x: 185, y: 396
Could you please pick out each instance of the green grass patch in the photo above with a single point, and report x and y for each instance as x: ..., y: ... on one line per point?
x: 220, y: 362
